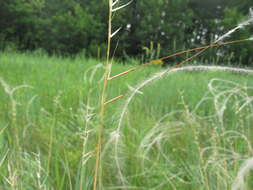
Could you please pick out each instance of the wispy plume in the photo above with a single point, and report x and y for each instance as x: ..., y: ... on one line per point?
x: 241, y: 25
x: 239, y: 182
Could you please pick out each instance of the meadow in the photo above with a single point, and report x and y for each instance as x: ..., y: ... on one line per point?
x: 191, y: 129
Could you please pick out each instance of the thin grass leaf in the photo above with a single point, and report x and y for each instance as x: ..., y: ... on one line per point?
x: 4, y: 157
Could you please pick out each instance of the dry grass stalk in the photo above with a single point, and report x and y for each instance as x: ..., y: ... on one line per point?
x: 103, y: 100
x: 179, y: 53
x: 204, y: 48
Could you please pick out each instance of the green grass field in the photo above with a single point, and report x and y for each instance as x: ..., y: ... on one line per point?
x: 187, y: 131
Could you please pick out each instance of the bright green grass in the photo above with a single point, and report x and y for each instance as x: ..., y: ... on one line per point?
x: 48, y: 139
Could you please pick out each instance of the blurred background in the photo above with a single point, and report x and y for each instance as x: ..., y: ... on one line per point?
x: 150, y: 28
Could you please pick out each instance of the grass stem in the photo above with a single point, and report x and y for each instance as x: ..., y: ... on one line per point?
x: 178, y: 53
x: 103, y: 100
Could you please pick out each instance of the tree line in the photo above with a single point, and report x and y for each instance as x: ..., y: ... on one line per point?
x: 149, y: 28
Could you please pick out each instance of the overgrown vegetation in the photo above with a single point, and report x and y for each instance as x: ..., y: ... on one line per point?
x: 190, y: 130
x: 180, y: 127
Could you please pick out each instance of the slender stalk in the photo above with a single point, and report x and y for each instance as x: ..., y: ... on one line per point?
x: 103, y: 100
x: 199, y: 49
x: 178, y: 53
x: 115, y: 99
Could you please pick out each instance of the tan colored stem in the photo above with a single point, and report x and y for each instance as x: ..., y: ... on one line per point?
x: 103, y: 100
x: 204, y: 48
x: 178, y: 53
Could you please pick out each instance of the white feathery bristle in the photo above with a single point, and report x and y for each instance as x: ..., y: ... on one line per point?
x: 239, y: 26
x: 246, y: 167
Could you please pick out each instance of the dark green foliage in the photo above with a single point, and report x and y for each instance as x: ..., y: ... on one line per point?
x: 56, y: 26
x: 80, y: 26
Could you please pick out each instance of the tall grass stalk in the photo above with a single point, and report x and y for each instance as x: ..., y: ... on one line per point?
x: 159, y: 61
x: 107, y: 71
